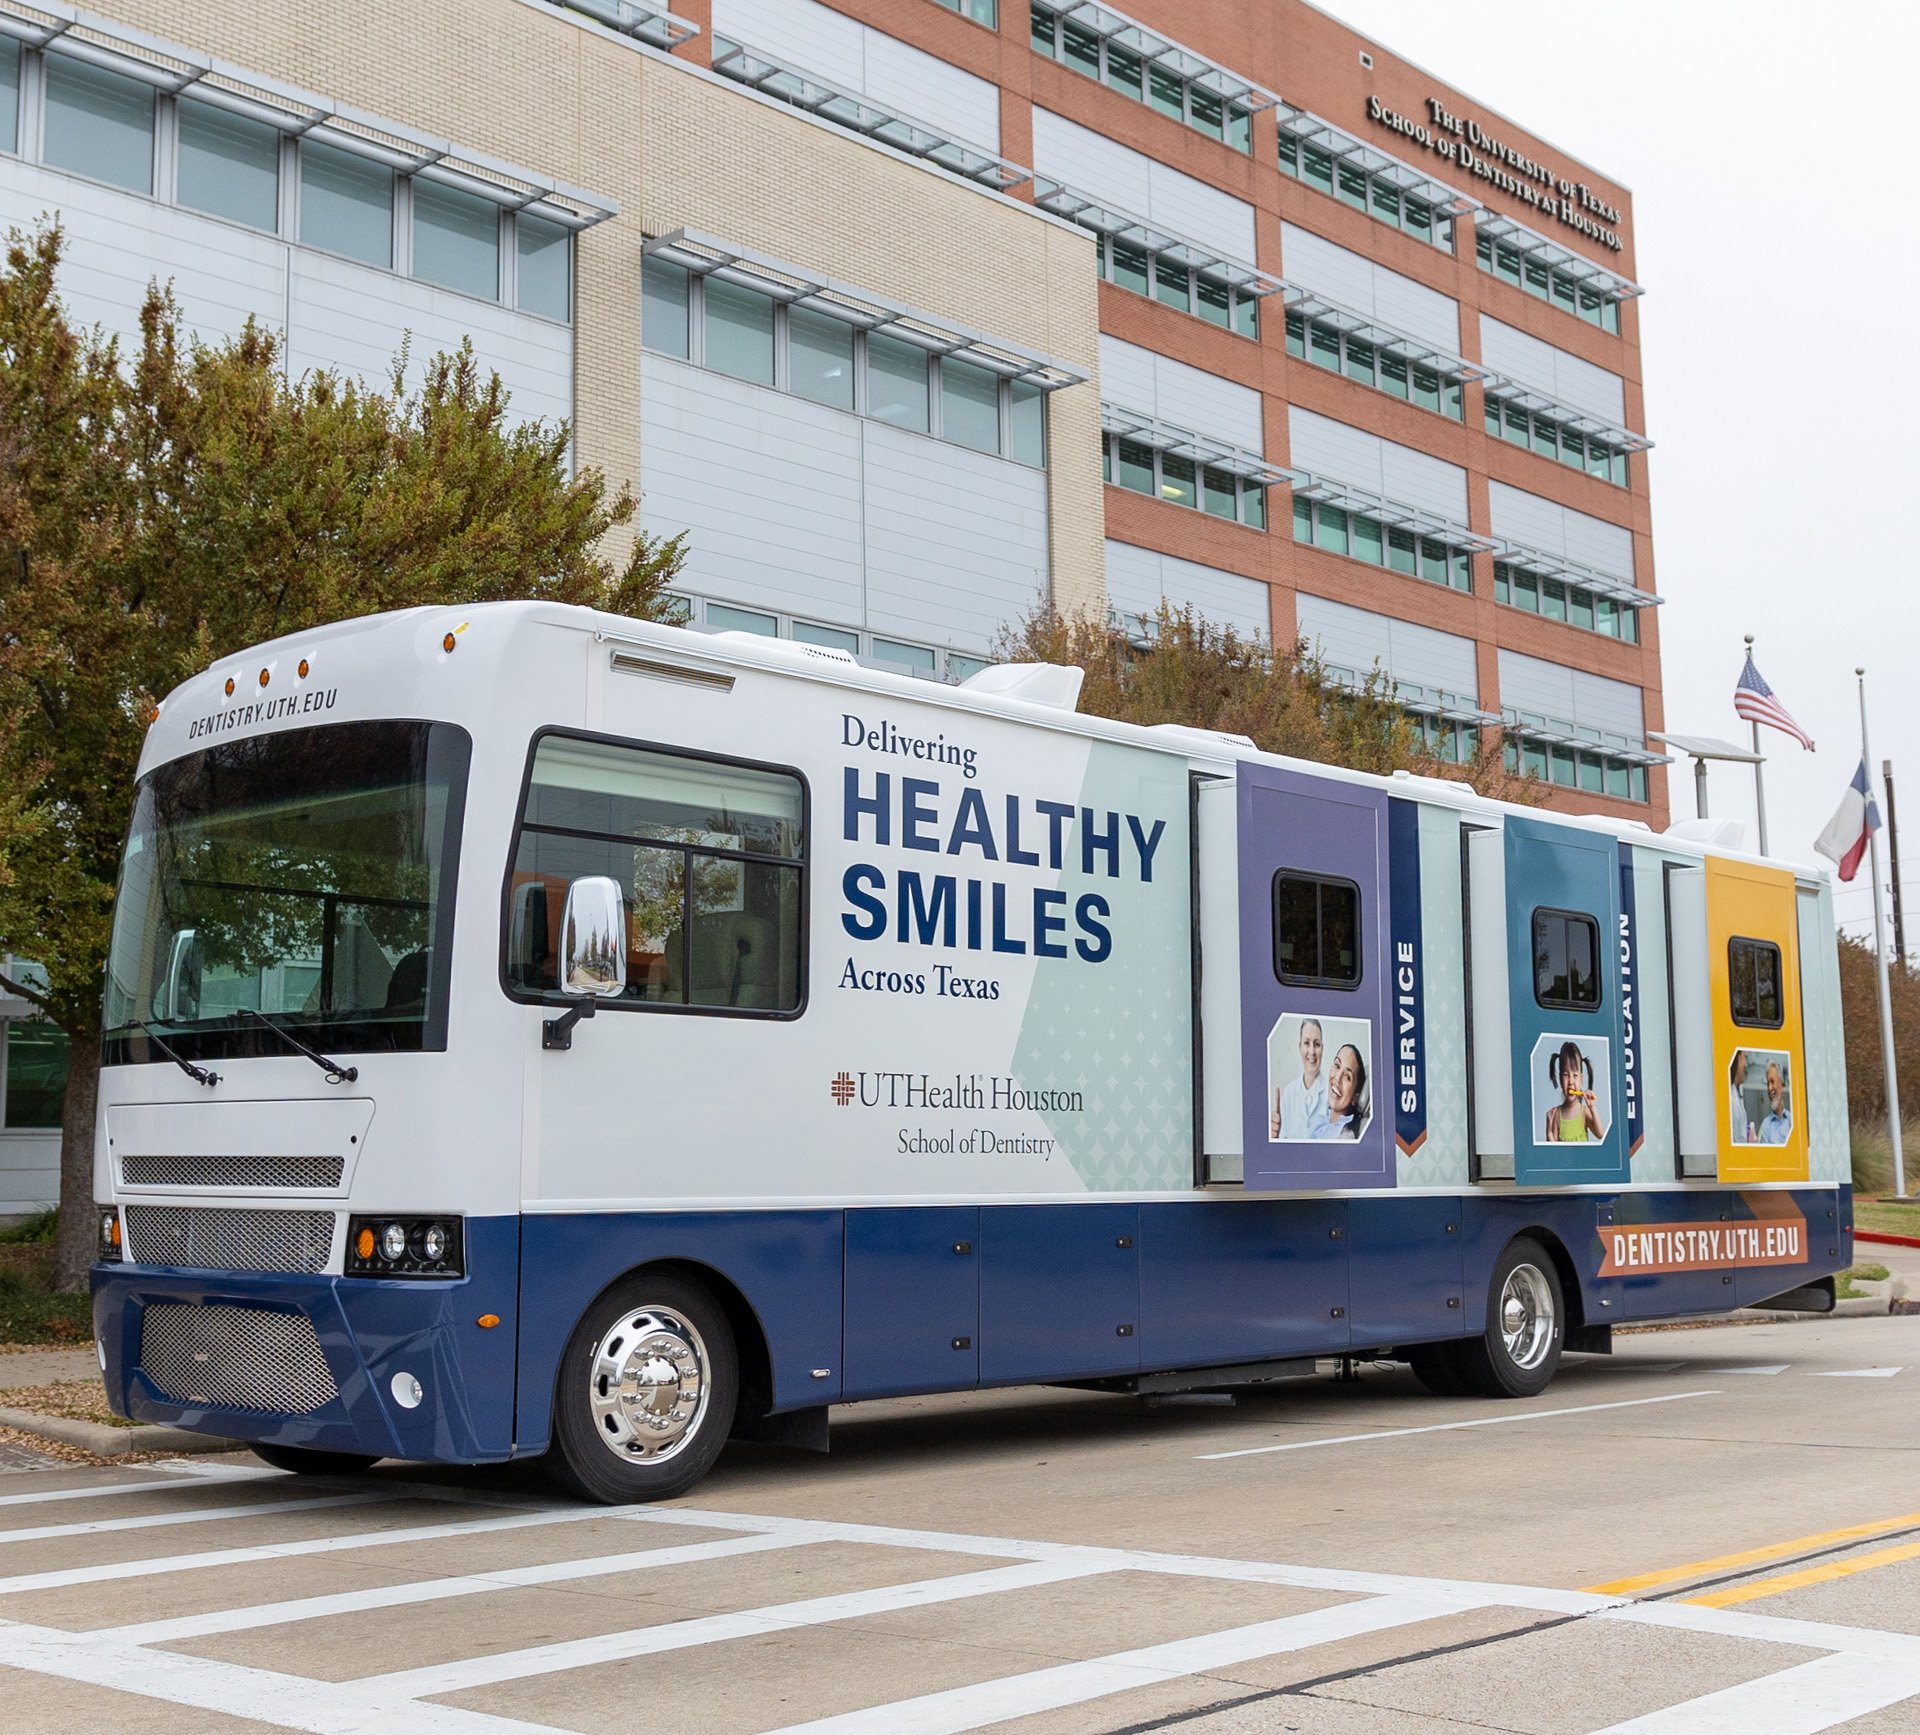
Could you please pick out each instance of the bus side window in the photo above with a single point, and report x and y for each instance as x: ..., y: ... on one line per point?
x: 709, y: 855
x: 1566, y: 960
x: 1753, y: 983
x: 1316, y: 931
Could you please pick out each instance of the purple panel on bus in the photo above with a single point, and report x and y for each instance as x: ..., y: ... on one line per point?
x: 1314, y: 982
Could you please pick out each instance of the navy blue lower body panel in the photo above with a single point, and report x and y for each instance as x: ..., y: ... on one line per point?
x: 884, y: 1300
x: 368, y: 1331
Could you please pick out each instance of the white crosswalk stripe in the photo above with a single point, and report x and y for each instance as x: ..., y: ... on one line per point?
x: 1861, y: 1671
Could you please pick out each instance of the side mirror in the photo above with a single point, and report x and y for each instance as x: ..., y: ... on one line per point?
x: 179, y: 997
x: 593, y: 953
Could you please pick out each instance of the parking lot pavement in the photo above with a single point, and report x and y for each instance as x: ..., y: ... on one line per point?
x: 1711, y: 1530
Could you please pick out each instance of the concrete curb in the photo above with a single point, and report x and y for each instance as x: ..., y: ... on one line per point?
x: 105, y: 1442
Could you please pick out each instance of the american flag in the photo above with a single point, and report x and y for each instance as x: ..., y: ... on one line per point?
x: 1754, y: 700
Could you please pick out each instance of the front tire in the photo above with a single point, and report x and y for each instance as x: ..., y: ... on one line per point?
x: 646, y: 1392
x: 309, y: 1461
x: 1519, y: 1352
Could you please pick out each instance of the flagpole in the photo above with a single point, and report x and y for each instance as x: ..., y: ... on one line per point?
x: 1880, y: 965
x: 1759, y: 783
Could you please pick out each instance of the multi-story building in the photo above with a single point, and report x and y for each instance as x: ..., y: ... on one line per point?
x: 917, y: 315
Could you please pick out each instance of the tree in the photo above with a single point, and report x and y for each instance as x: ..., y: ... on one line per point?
x: 1194, y: 672
x: 162, y: 510
x: 1860, y: 1021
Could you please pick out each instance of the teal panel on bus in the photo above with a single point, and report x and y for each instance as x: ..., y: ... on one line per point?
x: 1563, y: 918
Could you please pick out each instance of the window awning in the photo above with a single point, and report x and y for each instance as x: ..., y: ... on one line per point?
x: 1215, y: 454
x: 761, y: 72
x: 1532, y: 245
x: 1089, y: 213
x: 1383, y: 337
x: 1158, y: 50
x: 1545, y: 565
x: 704, y: 256
x: 653, y: 25
x: 1559, y: 732
x: 1327, y: 492
x: 1412, y: 697
x: 184, y: 72
x: 1511, y: 391
x: 1308, y: 128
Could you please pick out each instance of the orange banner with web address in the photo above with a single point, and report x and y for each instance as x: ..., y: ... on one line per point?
x: 1655, y: 1247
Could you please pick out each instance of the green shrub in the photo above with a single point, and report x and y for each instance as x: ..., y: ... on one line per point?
x: 33, y: 1230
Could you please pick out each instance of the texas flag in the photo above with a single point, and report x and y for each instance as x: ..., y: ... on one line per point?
x: 1854, y: 821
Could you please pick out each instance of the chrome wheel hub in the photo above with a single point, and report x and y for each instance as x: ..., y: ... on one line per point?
x: 1526, y: 1316
x: 648, y: 1386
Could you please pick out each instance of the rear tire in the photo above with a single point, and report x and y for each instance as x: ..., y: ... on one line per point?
x: 646, y: 1392
x: 309, y: 1461
x: 1519, y: 1352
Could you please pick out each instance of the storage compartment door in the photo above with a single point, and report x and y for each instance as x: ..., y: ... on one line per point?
x: 1316, y: 1038
x: 912, y: 1300
x: 1563, y: 919
x: 1059, y: 1291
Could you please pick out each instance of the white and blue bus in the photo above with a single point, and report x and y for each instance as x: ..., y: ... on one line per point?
x: 534, y: 1032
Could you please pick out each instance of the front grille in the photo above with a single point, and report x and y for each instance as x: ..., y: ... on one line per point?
x: 222, y: 1240
x: 239, y: 1358
x: 305, y: 1174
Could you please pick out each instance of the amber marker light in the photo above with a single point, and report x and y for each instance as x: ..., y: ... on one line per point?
x: 363, y: 1245
x: 304, y: 667
x: 229, y: 686
x: 487, y: 1321
x: 447, y: 644
x: 264, y: 677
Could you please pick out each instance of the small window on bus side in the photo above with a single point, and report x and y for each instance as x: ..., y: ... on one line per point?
x: 1753, y: 983
x: 1566, y: 960
x: 1316, y: 931
x: 709, y: 855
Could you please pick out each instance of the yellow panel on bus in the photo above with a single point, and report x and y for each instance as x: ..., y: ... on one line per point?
x: 1759, y: 1050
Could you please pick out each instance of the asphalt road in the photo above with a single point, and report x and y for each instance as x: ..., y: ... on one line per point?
x: 1713, y: 1530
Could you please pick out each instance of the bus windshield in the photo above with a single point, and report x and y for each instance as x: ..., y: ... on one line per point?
x: 307, y: 876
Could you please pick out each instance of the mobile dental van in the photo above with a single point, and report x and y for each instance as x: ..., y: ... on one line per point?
x: 530, y: 1031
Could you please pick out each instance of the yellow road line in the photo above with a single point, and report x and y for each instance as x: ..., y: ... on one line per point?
x: 1811, y: 1575
x: 1753, y: 1556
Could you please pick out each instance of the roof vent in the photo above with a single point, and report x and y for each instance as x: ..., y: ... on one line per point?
x: 788, y: 647
x: 1212, y: 739
x: 1051, y: 684
x: 1716, y: 833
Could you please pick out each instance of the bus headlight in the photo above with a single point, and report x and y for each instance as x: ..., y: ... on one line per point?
x: 110, y: 1235
x: 405, y: 1247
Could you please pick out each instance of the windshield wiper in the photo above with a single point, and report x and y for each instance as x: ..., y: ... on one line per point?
x: 336, y: 1073
x: 199, y: 1074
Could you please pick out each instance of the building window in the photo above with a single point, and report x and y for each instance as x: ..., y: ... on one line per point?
x: 1123, y: 69
x: 712, y: 323
x: 1316, y: 931
x: 1561, y: 599
x: 544, y: 274
x: 1417, y: 554
x: 1583, y: 766
x: 1186, y: 288
x: 1534, y: 431
x: 1753, y: 983
x: 346, y: 204
x: 1375, y: 194
x: 895, y: 655
x: 220, y: 163
x: 33, y: 1057
x: 710, y: 857
x: 1142, y: 469
x: 99, y: 123
x: 1544, y: 283
x: 456, y: 240
x: 1566, y: 960
x: 985, y: 12
x: 1446, y: 738
x: 1325, y: 345
x: 229, y: 166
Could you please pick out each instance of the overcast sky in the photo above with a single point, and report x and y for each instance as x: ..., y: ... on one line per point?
x: 1777, y: 227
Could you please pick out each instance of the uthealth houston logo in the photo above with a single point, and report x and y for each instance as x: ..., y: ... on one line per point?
x: 965, y: 1090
